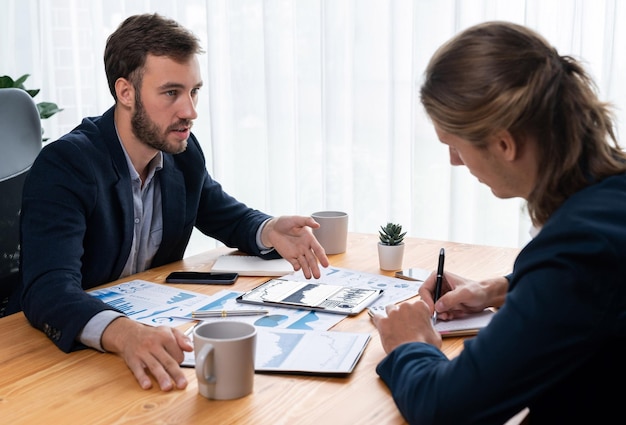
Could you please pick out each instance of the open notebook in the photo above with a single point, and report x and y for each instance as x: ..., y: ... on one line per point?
x: 465, y: 326
x: 468, y: 325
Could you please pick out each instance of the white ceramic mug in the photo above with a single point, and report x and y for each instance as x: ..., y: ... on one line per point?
x: 224, y: 359
x: 333, y: 231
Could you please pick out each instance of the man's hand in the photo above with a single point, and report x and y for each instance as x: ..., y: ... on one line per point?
x: 157, y: 351
x: 292, y: 237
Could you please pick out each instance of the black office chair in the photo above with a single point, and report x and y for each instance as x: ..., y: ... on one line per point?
x: 20, y: 142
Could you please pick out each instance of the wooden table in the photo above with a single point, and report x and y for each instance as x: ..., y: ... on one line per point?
x: 40, y: 384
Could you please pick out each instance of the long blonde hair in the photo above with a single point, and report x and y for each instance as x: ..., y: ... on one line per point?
x: 502, y: 76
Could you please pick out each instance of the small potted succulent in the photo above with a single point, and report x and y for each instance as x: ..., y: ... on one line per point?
x: 391, y: 247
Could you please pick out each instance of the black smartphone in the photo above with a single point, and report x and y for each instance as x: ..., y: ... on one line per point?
x: 202, y: 277
x: 413, y: 274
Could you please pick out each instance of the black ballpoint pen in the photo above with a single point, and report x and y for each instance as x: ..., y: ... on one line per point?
x: 442, y: 257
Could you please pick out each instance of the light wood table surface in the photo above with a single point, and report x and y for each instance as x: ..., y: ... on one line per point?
x: 41, y: 384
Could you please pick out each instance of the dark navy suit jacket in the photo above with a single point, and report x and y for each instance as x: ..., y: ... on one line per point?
x: 77, y: 223
x: 557, y: 345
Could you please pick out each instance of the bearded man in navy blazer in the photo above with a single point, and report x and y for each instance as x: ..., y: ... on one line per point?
x: 122, y: 192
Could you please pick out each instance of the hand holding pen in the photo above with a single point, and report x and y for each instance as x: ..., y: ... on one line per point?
x: 438, y: 282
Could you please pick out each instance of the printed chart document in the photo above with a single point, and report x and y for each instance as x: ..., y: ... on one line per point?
x: 289, y: 340
x: 152, y: 303
x: 156, y: 304
x: 249, y: 265
x: 316, y: 352
x: 304, y: 352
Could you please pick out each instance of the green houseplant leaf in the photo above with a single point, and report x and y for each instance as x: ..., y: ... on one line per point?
x: 47, y: 109
x: 391, y: 234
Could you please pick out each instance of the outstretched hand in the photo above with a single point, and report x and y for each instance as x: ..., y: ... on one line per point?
x: 292, y: 237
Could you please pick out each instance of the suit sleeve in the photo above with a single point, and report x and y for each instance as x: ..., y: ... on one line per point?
x: 58, y: 203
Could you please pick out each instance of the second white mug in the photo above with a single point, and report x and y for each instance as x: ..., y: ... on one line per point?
x: 333, y: 231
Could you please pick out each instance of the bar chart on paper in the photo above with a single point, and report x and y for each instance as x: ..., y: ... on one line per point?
x: 151, y: 303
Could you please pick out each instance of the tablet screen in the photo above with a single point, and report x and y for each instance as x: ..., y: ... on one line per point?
x: 314, y: 296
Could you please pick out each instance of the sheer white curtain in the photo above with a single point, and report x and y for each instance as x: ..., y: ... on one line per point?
x: 313, y: 104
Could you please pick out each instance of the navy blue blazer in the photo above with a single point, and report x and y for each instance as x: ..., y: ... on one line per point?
x: 77, y: 222
x: 556, y: 344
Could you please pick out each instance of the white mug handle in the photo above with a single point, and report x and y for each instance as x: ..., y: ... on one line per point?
x: 205, y: 369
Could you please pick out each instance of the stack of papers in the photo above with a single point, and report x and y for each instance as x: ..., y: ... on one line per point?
x: 288, y: 340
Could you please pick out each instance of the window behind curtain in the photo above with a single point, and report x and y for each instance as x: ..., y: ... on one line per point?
x: 312, y: 104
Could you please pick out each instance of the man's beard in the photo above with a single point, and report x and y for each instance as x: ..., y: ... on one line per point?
x: 148, y: 132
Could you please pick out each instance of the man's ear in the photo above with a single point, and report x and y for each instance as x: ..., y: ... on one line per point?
x: 506, y: 145
x: 125, y: 92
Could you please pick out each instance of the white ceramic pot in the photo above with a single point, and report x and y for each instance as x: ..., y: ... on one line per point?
x: 390, y: 256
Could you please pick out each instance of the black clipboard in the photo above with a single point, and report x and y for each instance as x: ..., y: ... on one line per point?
x: 311, y: 296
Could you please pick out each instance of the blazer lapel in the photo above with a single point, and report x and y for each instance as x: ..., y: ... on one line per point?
x: 122, y: 186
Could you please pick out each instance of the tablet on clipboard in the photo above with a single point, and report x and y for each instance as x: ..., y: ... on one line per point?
x: 311, y: 296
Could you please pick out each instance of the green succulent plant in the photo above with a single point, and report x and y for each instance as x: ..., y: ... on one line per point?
x: 391, y: 234
x: 46, y: 109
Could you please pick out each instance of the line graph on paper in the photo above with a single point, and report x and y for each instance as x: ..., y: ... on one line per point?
x: 323, y: 352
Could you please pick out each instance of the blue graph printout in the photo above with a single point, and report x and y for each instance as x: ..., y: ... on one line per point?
x: 156, y: 304
x: 288, y: 340
x: 301, y: 351
x: 277, y: 317
x: 284, y: 350
x: 151, y: 303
